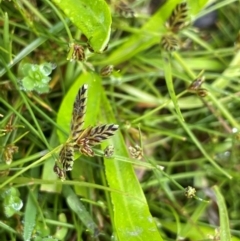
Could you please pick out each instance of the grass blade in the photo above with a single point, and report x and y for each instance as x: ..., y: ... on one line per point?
x: 169, y: 81
x: 203, y: 151
x: 77, y: 207
x: 30, y: 215
x: 225, y: 234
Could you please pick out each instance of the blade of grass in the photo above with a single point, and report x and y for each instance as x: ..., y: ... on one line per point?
x: 6, y: 38
x: 169, y: 81
x: 198, y: 144
x: 34, y: 164
x: 62, y: 19
x: 224, y: 111
x: 37, y: 13
x: 231, y: 71
x: 30, y: 215
x: 47, y: 172
x: 17, y: 113
x: 77, y: 207
x: 4, y: 226
x: 30, y: 158
x: 225, y: 233
x: 197, y: 214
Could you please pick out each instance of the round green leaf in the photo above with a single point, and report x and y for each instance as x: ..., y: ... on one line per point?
x: 27, y: 84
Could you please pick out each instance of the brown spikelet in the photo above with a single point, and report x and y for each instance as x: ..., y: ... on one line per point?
x: 66, y: 156
x: 78, y: 52
x: 9, y: 150
x: 60, y: 173
x: 97, y: 134
x: 109, y: 151
x: 79, y: 110
x: 136, y: 152
x: 195, y: 87
x: 178, y: 17
x: 106, y: 71
x: 169, y: 43
x: 202, y: 92
x: 124, y: 10
x: 196, y: 84
x: 81, y: 139
x: 85, y: 149
x: 93, y: 136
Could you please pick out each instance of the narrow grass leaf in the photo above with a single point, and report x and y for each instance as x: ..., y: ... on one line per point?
x: 4, y: 226
x: 203, y: 151
x: 30, y: 215
x: 230, y: 72
x: 47, y: 171
x: 224, y: 110
x: 186, y: 230
x: 132, y: 219
x: 169, y: 81
x: 225, y: 234
x: 93, y: 18
x: 197, y: 232
x: 77, y: 207
x: 6, y: 39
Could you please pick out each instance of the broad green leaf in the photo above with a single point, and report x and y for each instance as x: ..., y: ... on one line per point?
x: 93, y: 18
x: 132, y: 219
x: 65, y: 111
